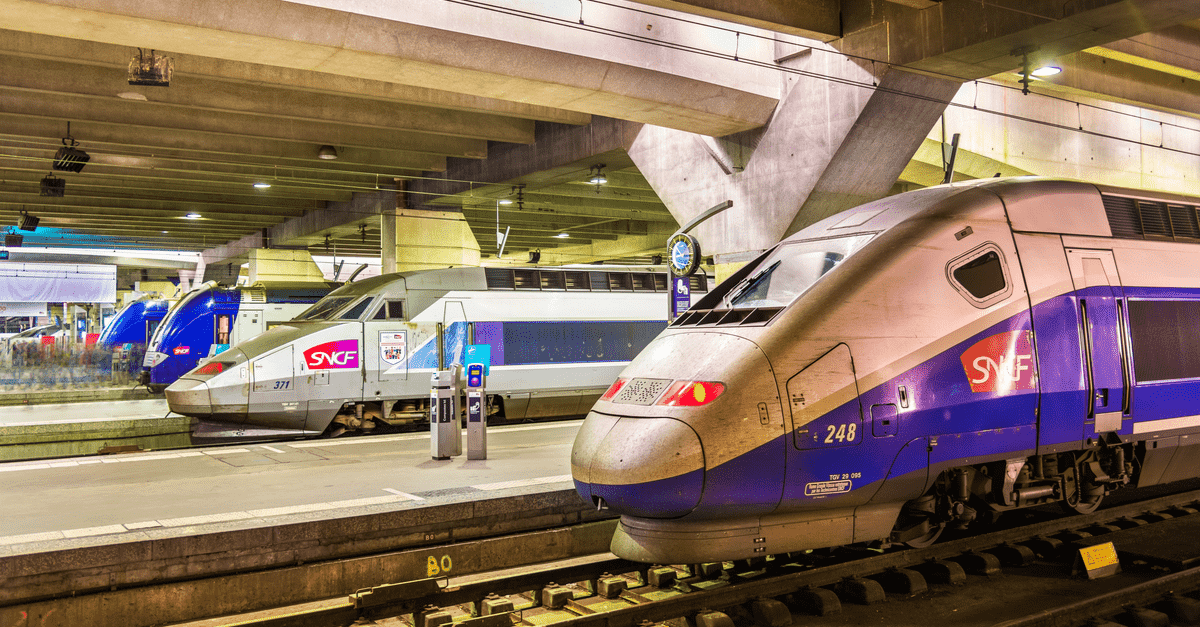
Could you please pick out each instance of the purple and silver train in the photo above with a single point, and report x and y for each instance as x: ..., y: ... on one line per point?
x: 913, y: 364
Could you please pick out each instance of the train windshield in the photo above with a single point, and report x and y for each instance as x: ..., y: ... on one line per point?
x: 179, y: 306
x: 325, y: 308
x: 790, y: 270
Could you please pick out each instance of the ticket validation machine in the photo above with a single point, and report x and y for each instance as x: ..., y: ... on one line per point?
x: 477, y: 411
x: 445, y: 433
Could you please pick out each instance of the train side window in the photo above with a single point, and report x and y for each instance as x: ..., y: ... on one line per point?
x: 390, y: 310
x: 355, y: 312
x: 981, y: 276
x: 1166, y: 342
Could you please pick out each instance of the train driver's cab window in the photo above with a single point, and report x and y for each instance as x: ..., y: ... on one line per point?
x: 981, y: 276
x: 325, y: 307
x: 224, y: 322
x: 356, y: 312
x: 788, y: 271
x: 390, y: 310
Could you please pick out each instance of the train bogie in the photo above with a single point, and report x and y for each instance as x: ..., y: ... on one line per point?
x: 923, y: 361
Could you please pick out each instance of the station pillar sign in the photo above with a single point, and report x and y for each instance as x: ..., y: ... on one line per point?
x: 683, y: 258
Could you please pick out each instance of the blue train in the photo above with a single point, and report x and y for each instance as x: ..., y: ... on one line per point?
x: 135, y: 323
x: 920, y: 362
x: 211, y: 317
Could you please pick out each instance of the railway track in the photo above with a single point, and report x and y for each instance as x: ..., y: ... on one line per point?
x: 836, y: 587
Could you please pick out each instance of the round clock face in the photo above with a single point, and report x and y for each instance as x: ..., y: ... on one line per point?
x: 684, y: 254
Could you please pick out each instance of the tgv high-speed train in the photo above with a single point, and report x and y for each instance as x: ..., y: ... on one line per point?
x: 915, y: 363
x: 363, y: 356
x: 207, y: 320
x: 135, y: 323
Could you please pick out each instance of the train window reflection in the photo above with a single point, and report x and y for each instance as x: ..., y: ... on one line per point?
x: 324, y: 308
x: 790, y: 270
x: 356, y: 312
x: 390, y: 310
x: 981, y: 276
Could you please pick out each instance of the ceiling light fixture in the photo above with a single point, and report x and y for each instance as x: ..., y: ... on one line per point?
x: 13, y: 240
x: 1046, y: 70
x: 327, y: 152
x: 153, y: 70
x: 193, y: 216
x: 69, y: 158
x: 563, y: 235
x: 597, y: 177
x: 261, y: 185
x: 504, y: 201
x: 53, y: 186
x: 28, y: 222
x: 132, y: 95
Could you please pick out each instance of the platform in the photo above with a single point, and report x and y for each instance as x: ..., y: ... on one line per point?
x: 91, y: 524
x: 84, y: 428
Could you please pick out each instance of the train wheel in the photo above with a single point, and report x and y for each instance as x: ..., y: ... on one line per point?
x: 1083, y: 495
x: 918, y: 526
x: 931, y: 536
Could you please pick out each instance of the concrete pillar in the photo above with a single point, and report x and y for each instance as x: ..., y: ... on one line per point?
x: 831, y: 145
x: 425, y: 240
x: 387, y: 242
x: 283, y: 266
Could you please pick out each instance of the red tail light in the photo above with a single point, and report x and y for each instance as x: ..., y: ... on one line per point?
x: 691, y: 393
x: 613, y: 389
x: 212, y: 367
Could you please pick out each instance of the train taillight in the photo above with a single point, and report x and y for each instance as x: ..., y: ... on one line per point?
x: 213, y: 367
x: 613, y: 389
x: 691, y: 393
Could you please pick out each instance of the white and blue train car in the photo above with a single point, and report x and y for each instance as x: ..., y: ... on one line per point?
x: 362, y: 357
x: 926, y: 360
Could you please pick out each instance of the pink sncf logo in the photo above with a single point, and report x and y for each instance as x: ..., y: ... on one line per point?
x: 335, y: 354
x: 1001, y: 363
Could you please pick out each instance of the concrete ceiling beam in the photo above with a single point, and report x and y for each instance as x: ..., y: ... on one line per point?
x: 967, y: 40
x: 652, y: 243
x: 279, y: 33
x: 18, y: 194
x: 136, y: 138
x: 1174, y: 50
x: 814, y: 19
x: 147, y: 117
x: 100, y: 86
x: 117, y: 56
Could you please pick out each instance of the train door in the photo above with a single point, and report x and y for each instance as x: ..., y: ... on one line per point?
x: 385, y: 343
x: 1101, y: 314
x: 272, y: 378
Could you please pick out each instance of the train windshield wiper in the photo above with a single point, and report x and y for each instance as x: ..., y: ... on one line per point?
x: 751, y: 282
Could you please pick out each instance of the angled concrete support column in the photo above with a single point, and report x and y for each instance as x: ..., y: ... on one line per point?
x: 387, y: 242
x: 433, y: 239
x: 831, y: 145
x: 283, y: 266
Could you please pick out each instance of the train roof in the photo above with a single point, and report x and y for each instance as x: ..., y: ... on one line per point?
x: 1080, y: 208
x: 473, y: 278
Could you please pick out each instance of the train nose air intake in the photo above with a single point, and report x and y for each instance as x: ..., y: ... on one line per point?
x: 645, y: 467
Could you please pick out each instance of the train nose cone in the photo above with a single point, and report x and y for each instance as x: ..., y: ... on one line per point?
x: 645, y: 467
x: 189, y: 397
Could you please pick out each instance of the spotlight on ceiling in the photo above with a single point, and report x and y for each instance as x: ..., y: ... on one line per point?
x: 69, y: 158
x: 153, y: 69
x: 563, y: 235
x: 28, y: 222
x: 262, y: 185
x: 327, y: 152
x: 53, y: 186
x: 193, y: 216
x: 535, y: 256
x: 1046, y: 70
x: 13, y: 240
x: 597, y: 176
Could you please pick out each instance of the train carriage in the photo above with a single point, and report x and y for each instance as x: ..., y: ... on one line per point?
x: 362, y: 357
x: 918, y: 362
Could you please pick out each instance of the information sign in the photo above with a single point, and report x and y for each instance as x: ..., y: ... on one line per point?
x: 479, y: 354
x: 681, y: 296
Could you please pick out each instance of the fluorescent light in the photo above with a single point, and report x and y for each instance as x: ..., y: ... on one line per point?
x: 262, y: 185
x: 504, y: 201
x: 193, y: 216
x: 1048, y: 70
x: 561, y: 235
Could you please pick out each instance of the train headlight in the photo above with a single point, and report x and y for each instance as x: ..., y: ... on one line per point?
x: 213, y: 367
x: 613, y: 389
x: 691, y: 393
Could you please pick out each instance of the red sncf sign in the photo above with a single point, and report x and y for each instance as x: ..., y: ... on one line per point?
x: 335, y: 354
x: 1001, y: 363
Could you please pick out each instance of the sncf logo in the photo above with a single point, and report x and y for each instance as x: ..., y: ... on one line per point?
x: 1001, y: 363
x: 335, y: 354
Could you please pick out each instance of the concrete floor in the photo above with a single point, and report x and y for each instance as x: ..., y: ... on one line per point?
x: 21, y: 415
x: 115, y: 497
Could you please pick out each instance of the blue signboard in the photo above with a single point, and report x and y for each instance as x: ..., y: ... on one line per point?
x: 681, y: 296
x: 479, y: 354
